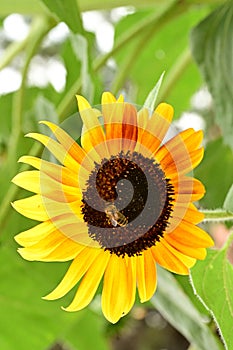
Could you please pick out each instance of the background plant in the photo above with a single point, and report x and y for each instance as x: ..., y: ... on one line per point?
x: 192, y: 41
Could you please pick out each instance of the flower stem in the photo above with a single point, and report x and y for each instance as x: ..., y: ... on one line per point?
x: 217, y: 215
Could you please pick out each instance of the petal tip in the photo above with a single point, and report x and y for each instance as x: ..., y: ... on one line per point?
x: 166, y: 110
x: 82, y: 103
x: 108, y: 97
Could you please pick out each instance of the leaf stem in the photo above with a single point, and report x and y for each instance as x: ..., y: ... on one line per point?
x: 39, y: 28
x: 147, y: 25
x: 217, y: 215
x: 12, y: 51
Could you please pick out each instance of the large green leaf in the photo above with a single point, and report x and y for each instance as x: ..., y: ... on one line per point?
x: 228, y: 203
x: 66, y: 11
x: 212, y: 48
x: 216, y: 173
x: 213, y: 283
x: 176, y: 307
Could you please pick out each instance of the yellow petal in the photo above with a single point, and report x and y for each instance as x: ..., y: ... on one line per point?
x: 194, y: 252
x: 129, y: 128
x: 61, y: 253
x: 156, y: 128
x: 187, y: 260
x: 82, y: 103
x: 131, y: 282
x: 183, y: 163
x: 92, y: 134
x: 89, y: 283
x: 168, y: 260
x: 29, y: 180
x: 32, y: 207
x: 70, y: 145
x: 55, y: 171
x: 114, y: 296
x: 188, y: 185
x: 113, y: 117
x: 57, y: 150
x: 191, y: 235
x: 35, y: 234
x: 40, y: 183
x: 181, y: 154
x: 64, y: 252
x: 165, y: 110
x: 44, y: 249
x: 143, y: 116
x: 174, y: 148
x: 187, y: 212
x: 77, y: 269
x: 146, y: 276
x: 108, y: 97
x: 120, y: 99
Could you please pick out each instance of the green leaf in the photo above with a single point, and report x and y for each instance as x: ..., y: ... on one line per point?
x: 70, y: 61
x: 39, y: 105
x: 216, y: 173
x: 176, y: 307
x: 212, y: 49
x: 80, y: 47
x: 88, y: 322
x: 228, y: 203
x: 45, y: 110
x: 213, y: 283
x: 66, y: 11
x: 159, y: 54
x: 152, y: 97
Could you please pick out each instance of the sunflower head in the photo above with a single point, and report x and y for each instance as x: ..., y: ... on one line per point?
x: 116, y: 200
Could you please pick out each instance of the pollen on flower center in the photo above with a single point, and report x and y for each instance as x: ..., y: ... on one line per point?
x: 127, y: 203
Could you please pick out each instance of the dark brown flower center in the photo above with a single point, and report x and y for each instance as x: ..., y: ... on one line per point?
x: 127, y: 203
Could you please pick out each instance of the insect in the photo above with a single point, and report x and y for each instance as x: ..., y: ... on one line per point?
x: 114, y: 216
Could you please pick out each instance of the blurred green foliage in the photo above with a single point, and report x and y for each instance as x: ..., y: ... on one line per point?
x: 153, y: 37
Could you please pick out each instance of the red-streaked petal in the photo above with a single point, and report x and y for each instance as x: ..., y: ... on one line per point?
x: 129, y: 128
x: 157, y: 127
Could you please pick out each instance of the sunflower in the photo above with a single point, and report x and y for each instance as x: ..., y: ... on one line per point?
x: 116, y: 202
